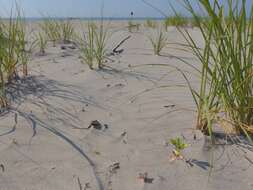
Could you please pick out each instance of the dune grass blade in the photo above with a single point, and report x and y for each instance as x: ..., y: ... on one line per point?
x: 12, y: 51
x: 13, y: 48
x: 2, y: 82
x: 150, y: 24
x: 225, y: 92
x: 176, y: 20
x: 93, y: 48
x: 87, y: 47
x: 133, y: 26
x: 41, y: 42
x: 24, y: 48
x: 67, y: 31
x: 100, y: 44
x: 51, y: 29
x: 158, y: 41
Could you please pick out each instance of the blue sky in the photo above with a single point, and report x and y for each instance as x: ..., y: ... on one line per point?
x: 91, y: 8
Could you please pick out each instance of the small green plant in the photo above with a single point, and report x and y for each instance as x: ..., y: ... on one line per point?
x: 150, y: 24
x: 158, y: 41
x: 41, y: 42
x: 179, y: 145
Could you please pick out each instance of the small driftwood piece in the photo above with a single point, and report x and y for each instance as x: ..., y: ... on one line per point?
x: 115, y: 50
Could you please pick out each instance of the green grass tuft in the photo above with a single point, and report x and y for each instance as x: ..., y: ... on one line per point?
x: 41, y: 42
x: 51, y: 29
x: 13, y: 51
x: 150, y: 24
x: 177, y: 20
x: 226, y: 89
x: 67, y: 31
x: 93, y: 48
x: 158, y: 41
x: 133, y: 26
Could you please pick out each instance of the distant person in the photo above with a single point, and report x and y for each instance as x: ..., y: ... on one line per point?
x: 132, y: 14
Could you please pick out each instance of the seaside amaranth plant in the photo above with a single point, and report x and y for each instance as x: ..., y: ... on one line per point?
x: 179, y: 145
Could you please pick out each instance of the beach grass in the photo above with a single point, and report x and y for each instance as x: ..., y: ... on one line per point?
x: 87, y: 48
x: 225, y: 92
x: 67, y: 31
x: 93, y: 46
x: 101, y: 37
x: 41, y: 42
x: 52, y: 29
x: 158, y: 41
x: 3, y: 40
x: 133, y: 26
x: 13, y: 51
x: 176, y: 20
x: 150, y: 24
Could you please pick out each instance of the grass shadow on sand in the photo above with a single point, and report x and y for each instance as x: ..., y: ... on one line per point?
x: 41, y: 93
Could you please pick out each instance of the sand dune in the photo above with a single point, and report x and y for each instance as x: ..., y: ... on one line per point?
x: 50, y: 147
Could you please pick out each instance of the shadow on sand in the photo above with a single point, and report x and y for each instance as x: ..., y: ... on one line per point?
x: 42, y: 93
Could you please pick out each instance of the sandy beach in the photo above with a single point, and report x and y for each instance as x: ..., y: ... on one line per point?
x: 47, y: 141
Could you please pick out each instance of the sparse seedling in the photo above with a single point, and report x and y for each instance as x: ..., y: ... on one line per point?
x: 178, y: 144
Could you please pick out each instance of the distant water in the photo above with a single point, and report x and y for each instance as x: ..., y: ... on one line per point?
x: 96, y: 18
